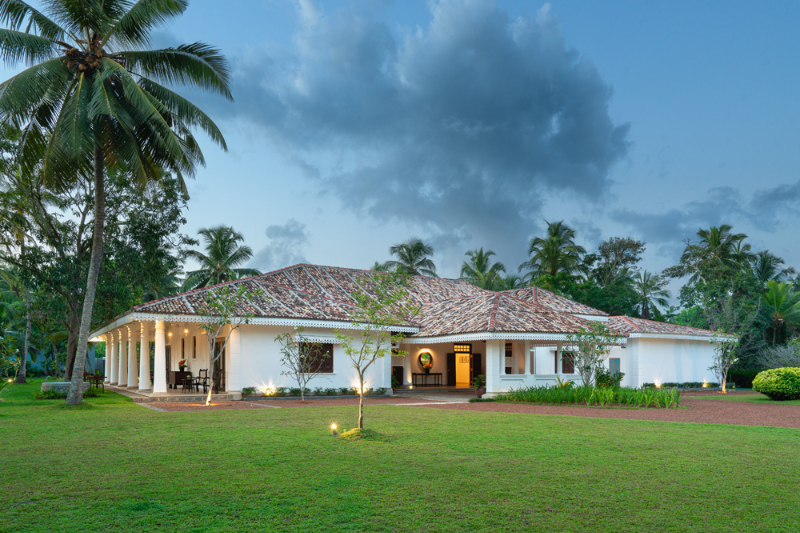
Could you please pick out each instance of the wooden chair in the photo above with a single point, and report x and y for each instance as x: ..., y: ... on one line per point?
x: 202, y: 379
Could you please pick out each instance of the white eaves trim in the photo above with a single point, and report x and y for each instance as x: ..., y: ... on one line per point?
x: 466, y: 337
x: 595, y: 318
x: 256, y: 321
x: 708, y: 338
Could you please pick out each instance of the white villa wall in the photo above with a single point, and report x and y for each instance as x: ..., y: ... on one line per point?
x: 668, y: 361
x: 410, y: 362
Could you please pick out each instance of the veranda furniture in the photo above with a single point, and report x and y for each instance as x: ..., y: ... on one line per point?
x: 421, y: 380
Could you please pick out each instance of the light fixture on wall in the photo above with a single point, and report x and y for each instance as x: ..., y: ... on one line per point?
x: 169, y: 334
x: 186, y: 331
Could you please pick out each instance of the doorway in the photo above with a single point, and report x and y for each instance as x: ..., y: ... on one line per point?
x: 219, y: 366
x: 451, y: 370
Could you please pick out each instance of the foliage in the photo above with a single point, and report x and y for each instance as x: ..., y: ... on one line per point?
x: 553, y: 254
x: 614, y: 260
x: 219, y: 312
x: 784, y: 306
x: 592, y: 345
x: 300, y: 357
x: 413, y: 258
x: 249, y: 391
x: 385, y: 305
x: 479, y: 381
x: 480, y: 270
x: 219, y: 263
x: 681, y: 385
x: 605, y: 378
x: 743, y: 379
x: 779, y: 384
x: 52, y: 394
x: 780, y: 356
x: 650, y: 293
x: 604, y: 397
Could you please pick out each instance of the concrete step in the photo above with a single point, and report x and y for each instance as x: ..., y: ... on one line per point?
x: 188, y: 398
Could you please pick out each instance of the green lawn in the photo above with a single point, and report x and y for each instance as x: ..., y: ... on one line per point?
x: 115, y: 466
x: 752, y: 398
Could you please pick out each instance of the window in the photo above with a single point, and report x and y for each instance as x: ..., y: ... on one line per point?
x: 613, y: 366
x: 509, y: 349
x: 183, y: 348
x: 194, y: 347
x: 567, y: 363
x: 325, y: 363
x: 462, y: 348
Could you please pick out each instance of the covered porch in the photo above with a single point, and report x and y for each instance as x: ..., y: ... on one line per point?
x: 508, y: 361
x: 143, y: 356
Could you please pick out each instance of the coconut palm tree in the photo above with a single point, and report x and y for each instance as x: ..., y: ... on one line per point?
x: 650, y: 292
x: 379, y: 267
x: 785, y: 306
x: 767, y: 267
x: 92, y: 100
x: 223, y: 254
x: 413, y: 258
x: 480, y: 270
x: 509, y: 282
x: 717, y: 247
x: 555, y: 253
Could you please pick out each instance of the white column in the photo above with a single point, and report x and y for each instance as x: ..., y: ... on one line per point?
x: 234, y: 354
x: 160, y: 371
x: 502, y: 356
x: 123, y: 360
x: 407, y: 366
x: 144, y: 357
x: 515, y: 357
x: 133, y: 364
x: 526, y: 350
x: 495, y: 355
x: 111, y: 348
x: 558, y: 358
x: 107, y: 371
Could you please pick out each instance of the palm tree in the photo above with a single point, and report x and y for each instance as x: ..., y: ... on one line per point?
x: 507, y: 283
x: 555, y: 253
x: 413, y: 258
x: 767, y: 267
x: 480, y: 270
x: 91, y: 101
x: 379, y: 267
x: 785, y: 305
x: 223, y: 254
x: 166, y: 285
x: 718, y: 247
x: 650, y: 292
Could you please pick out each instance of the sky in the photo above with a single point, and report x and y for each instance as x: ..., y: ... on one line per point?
x: 469, y: 123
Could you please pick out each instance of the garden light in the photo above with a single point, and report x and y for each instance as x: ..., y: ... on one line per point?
x: 658, y: 384
x: 333, y: 428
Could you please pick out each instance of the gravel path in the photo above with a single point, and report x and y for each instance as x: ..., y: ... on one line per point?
x: 698, y: 410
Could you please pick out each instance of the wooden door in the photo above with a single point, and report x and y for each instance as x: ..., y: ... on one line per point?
x: 219, y: 367
x: 451, y: 370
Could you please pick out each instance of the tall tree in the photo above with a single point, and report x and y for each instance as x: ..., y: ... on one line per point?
x: 554, y: 253
x: 650, y: 292
x: 615, y: 260
x: 223, y: 255
x: 480, y: 270
x: 717, y: 248
x: 768, y: 267
x: 784, y: 306
x: 91, y: 100
x: 412, y: 257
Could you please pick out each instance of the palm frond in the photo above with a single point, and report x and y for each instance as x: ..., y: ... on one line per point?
x: 196, y: 64
x: 16, y: 46
x: 14, y: 13
x: 135, y: 26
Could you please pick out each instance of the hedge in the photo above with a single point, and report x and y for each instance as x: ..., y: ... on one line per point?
x: 742, y: 378
x: 779, y: 384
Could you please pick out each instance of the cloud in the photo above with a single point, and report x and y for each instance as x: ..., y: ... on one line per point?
x: 462, y: 127
x: 765, y: 210
x: 287, y: 242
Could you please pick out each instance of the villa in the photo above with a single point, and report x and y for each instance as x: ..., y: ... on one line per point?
x: 515, y: 338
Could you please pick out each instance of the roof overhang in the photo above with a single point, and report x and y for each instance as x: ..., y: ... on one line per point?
x: 671, y: 336
x: 256, y: 321
x: 490, y: 335
x: 595, y: 318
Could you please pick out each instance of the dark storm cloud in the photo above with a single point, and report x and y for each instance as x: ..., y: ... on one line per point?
x: 463, y: 127
x: 287, y: 242
x: 765, y: 210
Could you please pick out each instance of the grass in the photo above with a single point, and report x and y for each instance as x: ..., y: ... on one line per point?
x: 119, y: 467
x: 751, y: 398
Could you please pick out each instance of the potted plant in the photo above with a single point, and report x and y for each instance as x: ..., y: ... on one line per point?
x: 427, y: 368
x: 182, y: 364
x: 480, y: 385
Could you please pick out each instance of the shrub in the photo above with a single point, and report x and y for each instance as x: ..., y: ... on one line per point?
x: 607, y: 379
x: 603, y: 396
x: 319, y: 391
x: 51, y: 394
x: 395, y: 383
x: 779, y: 384
x: 294, y: 391
x: 331, y: 392
x: 344, y: 391
x: 248, y: 391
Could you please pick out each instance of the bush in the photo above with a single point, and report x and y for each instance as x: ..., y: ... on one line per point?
x: 742, y: 378
x: 606, y: 379
x: 50, y: 394
x: 602, y: 396
x: 248, y: 391
x: 779, y: 384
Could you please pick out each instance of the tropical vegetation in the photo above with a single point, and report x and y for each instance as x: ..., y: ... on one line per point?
x: 220, y: 262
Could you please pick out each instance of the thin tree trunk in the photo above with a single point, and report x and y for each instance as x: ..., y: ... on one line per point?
x: 72, y: 344
x: 75, y: 395
x: 361, y: 402
x: 25, y: 345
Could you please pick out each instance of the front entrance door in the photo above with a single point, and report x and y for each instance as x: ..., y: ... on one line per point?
x: 219, y: 367
x: 463, y: 369
x: 475, y: 368
x: 451, y: 370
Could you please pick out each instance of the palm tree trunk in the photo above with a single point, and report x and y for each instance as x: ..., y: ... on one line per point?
x: 23, y: 367
x: 73, y: 328
x: 75, y: 395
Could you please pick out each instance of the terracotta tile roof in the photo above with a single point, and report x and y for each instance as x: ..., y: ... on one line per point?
x: 553, y: 301
x: 447, y: 306
x: 629, y: 325
x: 492, y: 312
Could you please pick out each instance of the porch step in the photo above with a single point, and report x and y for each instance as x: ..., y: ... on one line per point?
x: 188, y: 398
